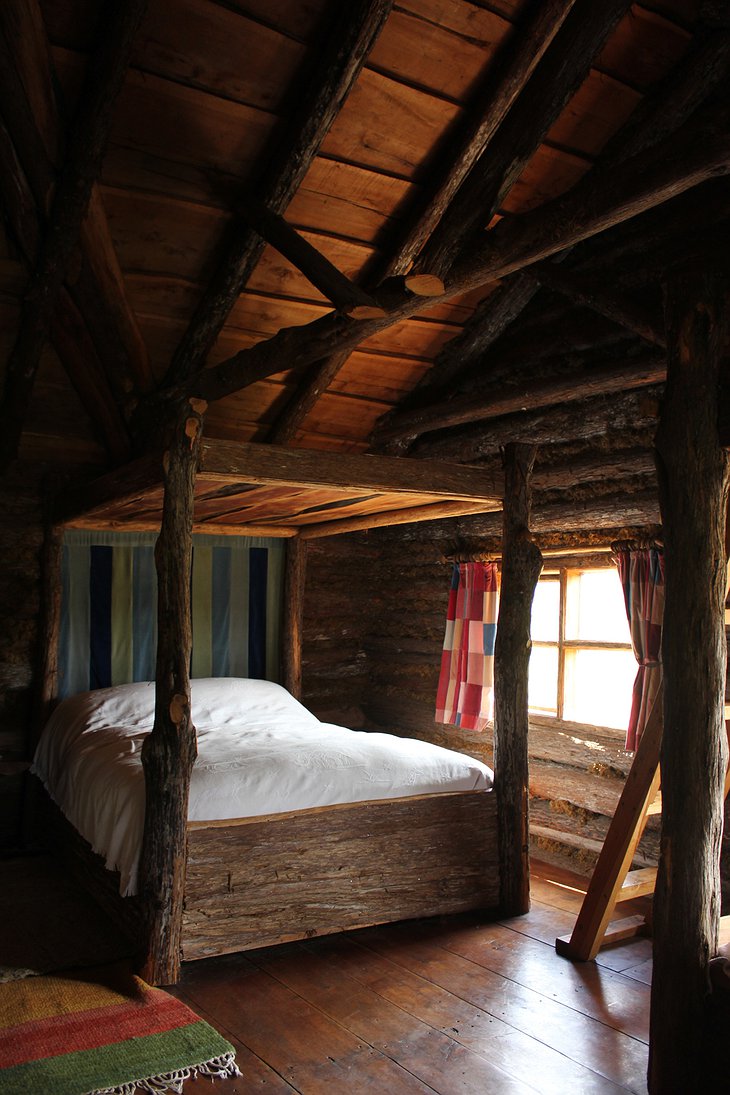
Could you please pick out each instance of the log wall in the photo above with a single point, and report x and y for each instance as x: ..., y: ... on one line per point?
x: 21, y: 535
x: 374, y: 623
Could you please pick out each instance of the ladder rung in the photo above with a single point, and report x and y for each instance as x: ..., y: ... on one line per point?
x: 627, y: 928
x: 638, y: 883
x: 655, y: 807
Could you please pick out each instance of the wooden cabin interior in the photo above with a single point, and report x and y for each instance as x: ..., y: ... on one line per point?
x: 391, y: 285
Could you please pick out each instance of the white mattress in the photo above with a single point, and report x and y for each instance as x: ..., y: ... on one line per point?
x: 259, y: 752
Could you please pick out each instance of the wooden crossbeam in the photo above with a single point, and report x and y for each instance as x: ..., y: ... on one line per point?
x: 347, y: 297
x: 485, y: 112
x: 81, y: 167
x: 700, y: 151
x: 347, y: 36
x: 602, y: 380
x: 660, y: 112
x: 556, y: 78
x: 27, y: 82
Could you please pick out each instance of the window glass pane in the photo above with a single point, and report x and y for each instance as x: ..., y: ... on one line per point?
x: 594, y: 608
x: 545, y: 611
x: 543, y: 683
x: 598, y: 686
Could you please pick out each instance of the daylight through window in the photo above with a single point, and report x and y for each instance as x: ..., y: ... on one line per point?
x: 582, y: 668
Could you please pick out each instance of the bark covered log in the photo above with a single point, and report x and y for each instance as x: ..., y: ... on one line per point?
x: 693, y: 483
x: 294, y: 579
x: 521, y: 566
x: 169, y: 752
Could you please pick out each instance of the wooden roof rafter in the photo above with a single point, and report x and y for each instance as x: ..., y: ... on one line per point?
x: 698, y: 151
x: 349, y: 35
x: 660, y: 112
x: 492, y: 101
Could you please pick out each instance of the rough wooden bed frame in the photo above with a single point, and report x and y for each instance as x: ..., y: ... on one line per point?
x: 262, y: 881
x: 259, y: 881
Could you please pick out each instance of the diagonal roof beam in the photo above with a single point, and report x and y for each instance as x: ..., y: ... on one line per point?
x: 660, y: 112
x: 86, y: 147
x: 465, y: 144
x: 558, y: 76
x: 698, y: 152
x: 27, y: 82
x: 352, y: 29
x: 68, y: 331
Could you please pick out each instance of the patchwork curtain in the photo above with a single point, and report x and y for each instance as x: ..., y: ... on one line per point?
x: 109, y: 608
x: 641, y: 570
x: 465, y: 690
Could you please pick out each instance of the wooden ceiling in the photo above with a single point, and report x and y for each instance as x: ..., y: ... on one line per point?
x: 422, y: 227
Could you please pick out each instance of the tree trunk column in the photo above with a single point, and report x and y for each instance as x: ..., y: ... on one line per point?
x: 294, y: 577
x: 169, y: 752
x: 521, y: 566
x: 693, y: 485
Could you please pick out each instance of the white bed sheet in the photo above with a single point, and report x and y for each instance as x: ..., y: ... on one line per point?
x: 259, y: 752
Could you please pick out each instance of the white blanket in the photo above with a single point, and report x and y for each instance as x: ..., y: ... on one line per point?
x: 259, y: 752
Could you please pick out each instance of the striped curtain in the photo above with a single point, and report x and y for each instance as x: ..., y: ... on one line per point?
x: 641, y: 570
x: 109, y: 608
x: 465, y: 690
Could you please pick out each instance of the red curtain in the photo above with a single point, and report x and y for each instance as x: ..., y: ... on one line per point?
x: 641, y: 570
x: 465, y: 689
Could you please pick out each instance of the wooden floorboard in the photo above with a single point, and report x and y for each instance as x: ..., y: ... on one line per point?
x: 444, y: 1006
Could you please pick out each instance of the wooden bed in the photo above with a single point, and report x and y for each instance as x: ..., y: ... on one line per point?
x: 253, y: 882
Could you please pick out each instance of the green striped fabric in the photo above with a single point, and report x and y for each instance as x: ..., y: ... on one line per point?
x: 109, y: 615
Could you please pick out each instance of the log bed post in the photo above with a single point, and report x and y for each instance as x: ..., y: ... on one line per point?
x: 169, y: 752
x: 521, y: 566
x: 50, y: 627
x: 294, y: 578
x: 693, y: 485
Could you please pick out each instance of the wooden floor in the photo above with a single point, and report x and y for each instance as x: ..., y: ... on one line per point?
x: 447, y: 1007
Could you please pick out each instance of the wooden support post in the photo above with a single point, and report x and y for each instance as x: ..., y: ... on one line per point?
x: 291, y: 655
x: 169, y: 752
x: 693, y: 486
x: 521, y: 566
x: 49, y: 629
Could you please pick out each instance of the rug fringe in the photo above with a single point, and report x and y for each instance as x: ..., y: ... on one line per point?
x: 216, y: 1068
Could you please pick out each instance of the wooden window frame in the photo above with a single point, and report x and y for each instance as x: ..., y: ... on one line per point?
x: 563, y: 644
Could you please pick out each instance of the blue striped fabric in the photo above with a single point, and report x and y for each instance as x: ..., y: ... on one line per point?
x: 108, y: 629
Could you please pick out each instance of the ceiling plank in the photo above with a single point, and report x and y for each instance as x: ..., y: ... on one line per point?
x: 487, y: 110
x: 347, y: 297
x: 352, y: 29
x: 397, y: 517
x: 696, y: 153
x: 81, y: 168
x: 27, y: 83
x: 668, y: 105
x: 557, y: 77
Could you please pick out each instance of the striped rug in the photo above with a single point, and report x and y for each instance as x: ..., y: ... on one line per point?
x: 102, y: 1031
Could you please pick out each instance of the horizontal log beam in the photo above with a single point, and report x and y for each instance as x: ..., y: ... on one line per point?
x: 272, y: 464
x: 602, y: 380
x: 626, y: 412
x: 347, y: 297
x: 618, y: 307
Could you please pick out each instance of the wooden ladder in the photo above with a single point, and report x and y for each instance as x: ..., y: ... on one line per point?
x: 612, y: 881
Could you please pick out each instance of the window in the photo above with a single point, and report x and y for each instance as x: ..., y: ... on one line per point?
x: 582, y: 668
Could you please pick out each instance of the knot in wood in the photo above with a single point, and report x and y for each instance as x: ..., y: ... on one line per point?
x: 179, y: 708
